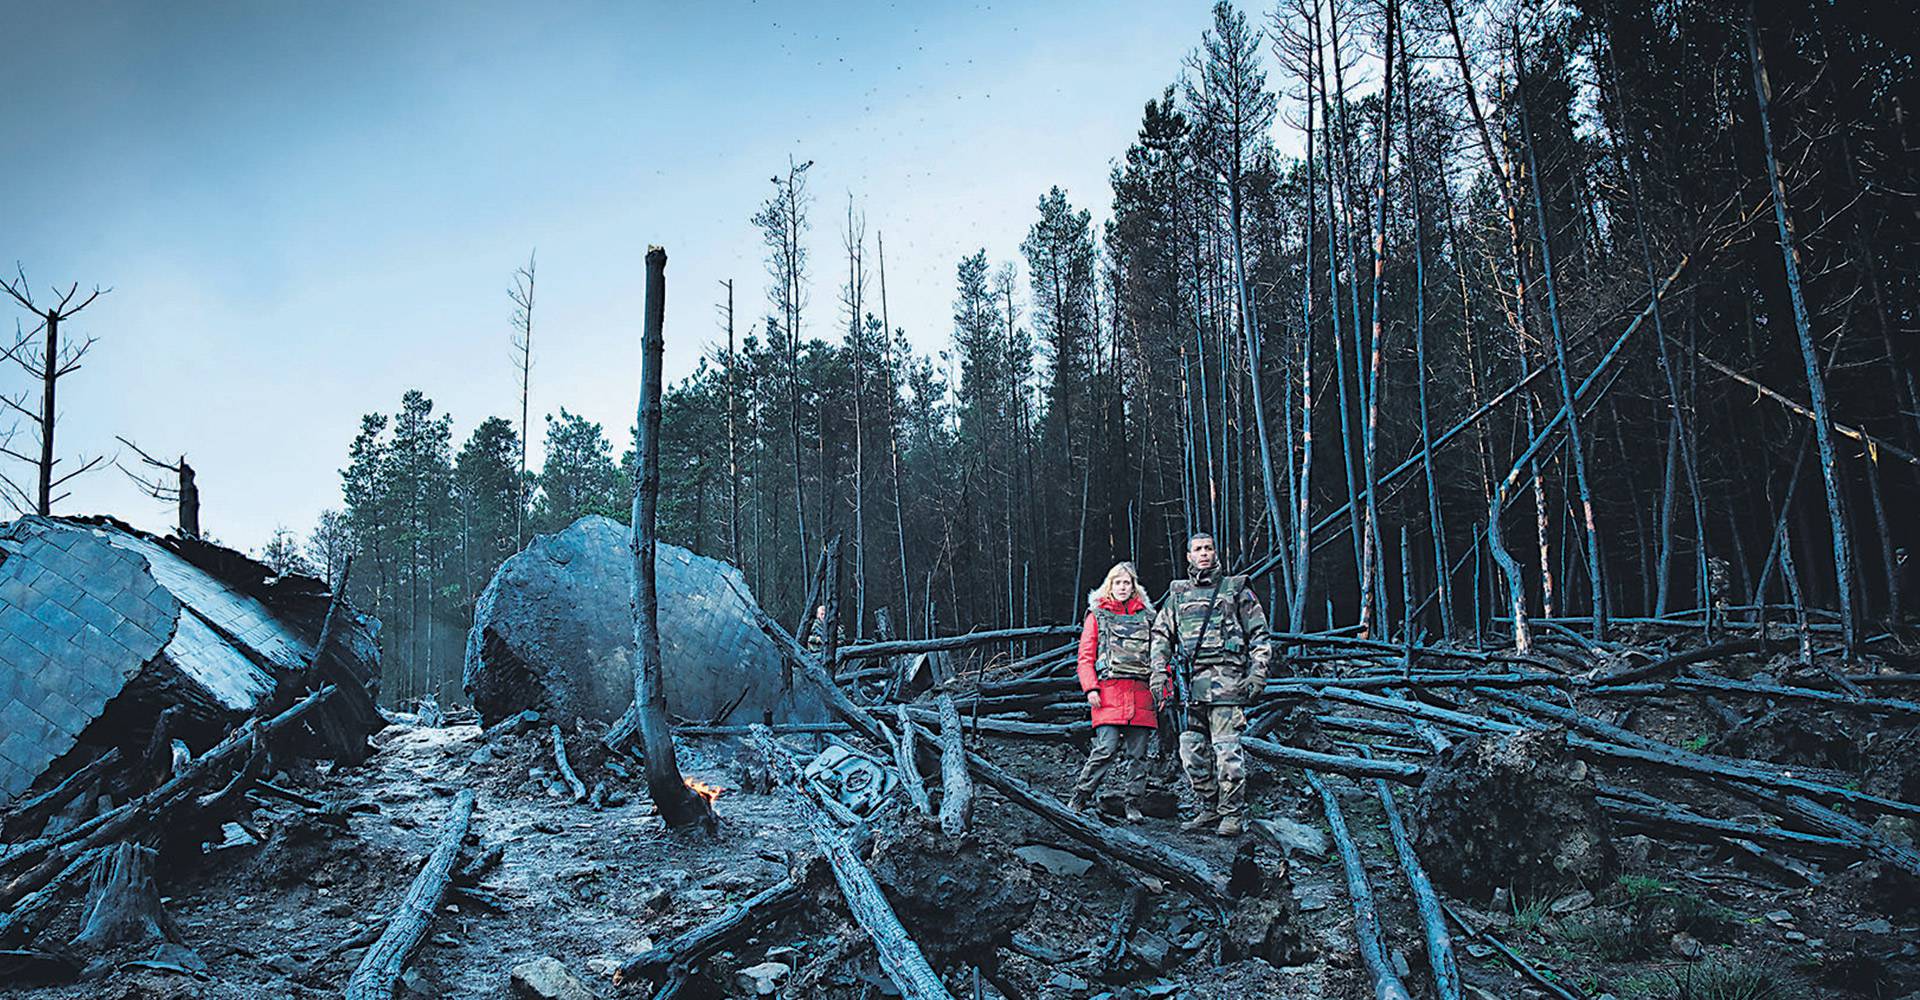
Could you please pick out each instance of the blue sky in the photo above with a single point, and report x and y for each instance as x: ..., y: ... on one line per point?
x: 305, y: 209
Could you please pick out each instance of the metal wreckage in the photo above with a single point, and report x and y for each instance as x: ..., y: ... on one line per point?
x: 1424, y: 817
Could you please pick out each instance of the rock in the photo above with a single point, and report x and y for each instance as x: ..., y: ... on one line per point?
x: 1055, y: 860
x: 1683, y: 945
x: 1893, y: 768
x: 1512, y: 811
x: 482, y: 756
x: 546, y: 978
x: 1149, y: 952
x: 963, y: 898
x: 554, y: 630
x: 1797, y: 734
x: 1572, y: 903
x: 1268, y: 929
x: 1064, y: 981
x: 1293, y: 837
x: 1160, y: 803
x: 413, y: 982
x: 1780, y: 916
x: 705, y: 899
x: 279, y: 962
x: 1398, y: 959
x: 1637, y: 851
x: 763, y: 979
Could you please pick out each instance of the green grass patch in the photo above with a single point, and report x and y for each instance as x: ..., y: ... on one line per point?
x: 1735, y: 979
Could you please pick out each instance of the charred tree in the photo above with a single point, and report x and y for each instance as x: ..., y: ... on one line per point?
x: 678, y: 804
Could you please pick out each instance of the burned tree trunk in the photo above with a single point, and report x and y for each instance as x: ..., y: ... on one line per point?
x: 1816, y: 382
x: 902, y: 959
x: 407, y: 927
x: 956, y: 789
x: 908, y: 763
x: 123, y: 914
x: 677, y: 803
x: 565, y: 768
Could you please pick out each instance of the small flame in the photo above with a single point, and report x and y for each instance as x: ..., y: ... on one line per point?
x: 704, y: 790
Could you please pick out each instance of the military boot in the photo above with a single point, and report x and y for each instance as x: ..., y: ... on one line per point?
x: 1230, y: 826
x: 1206, y: 818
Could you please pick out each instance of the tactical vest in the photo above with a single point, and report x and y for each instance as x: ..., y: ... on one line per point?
x: 1224, y: 641
x: 1125, y: 641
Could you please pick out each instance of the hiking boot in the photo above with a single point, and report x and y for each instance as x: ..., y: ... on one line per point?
x: 1206, y: 818
x: 1134, y: 815
x: 1230, y: 826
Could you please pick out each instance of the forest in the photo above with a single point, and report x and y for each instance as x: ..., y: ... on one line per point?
x: 1586, y: 313
x: 1542, y: 374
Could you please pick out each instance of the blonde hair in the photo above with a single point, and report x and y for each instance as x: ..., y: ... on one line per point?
x: 1106, y: 586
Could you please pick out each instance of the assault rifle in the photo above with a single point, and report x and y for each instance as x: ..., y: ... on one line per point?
x: 1180, y: 664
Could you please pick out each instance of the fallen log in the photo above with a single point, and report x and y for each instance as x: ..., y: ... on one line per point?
x: 1860, y: 835
x: 1366, y: 920
x: 21, y: 923
x: 1440, y: 958
x: 1420, y: 679
x: 565, y: 768
x: 49, y: 856
x: 1711, y: 682
x: 31, y: 815
x: 1628, y: 745
x: 1050, y: 731
x: 380, y: 968
x: 956, y: 789
x: 900, y: 957
x: 908, y: 764
x: 778, y: 727
x: 687, y: 949
x: 1167, y: 864
x: 1352, y: 767
x: 1657, y: 814
x: 1550, y: 983
x: 896, y: 647
x: 1672, y: 664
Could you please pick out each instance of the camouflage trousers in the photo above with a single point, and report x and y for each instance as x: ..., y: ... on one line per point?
x: 1108, y: 742
x: 1210, y: 752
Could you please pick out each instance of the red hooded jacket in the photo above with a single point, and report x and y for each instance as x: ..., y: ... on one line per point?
x: 1123, y: 701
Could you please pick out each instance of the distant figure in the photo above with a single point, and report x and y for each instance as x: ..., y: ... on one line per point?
x: 1115, y: 664
x: 817, y: 635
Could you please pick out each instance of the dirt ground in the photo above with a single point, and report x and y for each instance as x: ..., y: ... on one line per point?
x: 589, y: 886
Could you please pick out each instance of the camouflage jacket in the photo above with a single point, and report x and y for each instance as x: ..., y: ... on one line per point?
x: 1230, y: 667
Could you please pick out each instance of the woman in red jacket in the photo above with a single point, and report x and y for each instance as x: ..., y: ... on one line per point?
x: 1114, y: 669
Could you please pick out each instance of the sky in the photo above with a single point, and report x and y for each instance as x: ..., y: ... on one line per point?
x: 303, y: 210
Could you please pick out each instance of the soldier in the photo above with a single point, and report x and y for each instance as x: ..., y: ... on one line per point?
x: 1214, y: 626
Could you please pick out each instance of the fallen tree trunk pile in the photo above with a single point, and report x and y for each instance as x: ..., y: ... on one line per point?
x: 48, y: 856
x: 1366, y: 921
x: 902, y: 959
